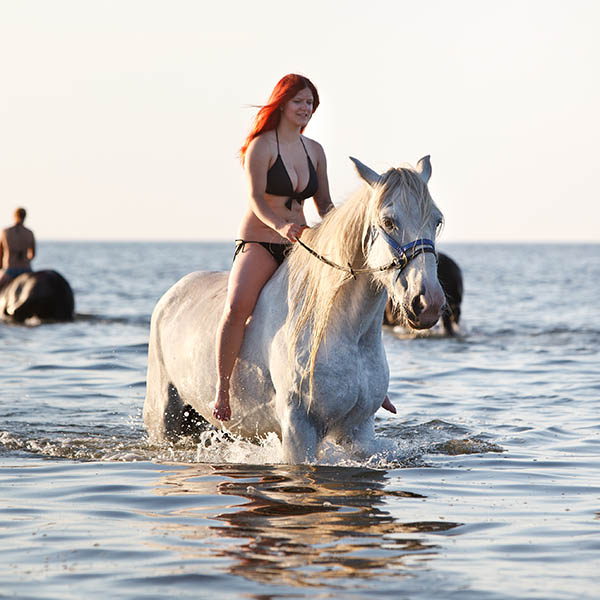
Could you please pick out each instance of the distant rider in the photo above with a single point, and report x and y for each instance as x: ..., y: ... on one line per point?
x: 17, y: 249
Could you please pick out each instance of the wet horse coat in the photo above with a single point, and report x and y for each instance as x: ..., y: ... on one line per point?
x: 312, y: 365
x: 44, y: 294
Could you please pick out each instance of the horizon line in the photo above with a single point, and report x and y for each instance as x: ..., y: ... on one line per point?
x: 227, y: 240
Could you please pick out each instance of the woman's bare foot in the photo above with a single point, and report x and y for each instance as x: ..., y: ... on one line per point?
x: 387, y: 404
x: 221, y: 409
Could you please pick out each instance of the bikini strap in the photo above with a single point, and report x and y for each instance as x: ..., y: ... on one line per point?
x: 239, y: 247
x: 305, y: 150
x: 277, y: 138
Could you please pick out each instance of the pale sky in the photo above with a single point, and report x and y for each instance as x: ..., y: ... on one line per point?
x: 121, y: 119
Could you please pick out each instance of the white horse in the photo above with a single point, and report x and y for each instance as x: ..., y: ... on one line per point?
x: 312, y: 365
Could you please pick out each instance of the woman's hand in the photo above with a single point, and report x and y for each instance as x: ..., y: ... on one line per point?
x: 291, y: 231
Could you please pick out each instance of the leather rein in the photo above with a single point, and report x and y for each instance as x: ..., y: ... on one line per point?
x: 403, y: 254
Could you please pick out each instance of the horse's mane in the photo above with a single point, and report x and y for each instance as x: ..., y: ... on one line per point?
x: 342, y: 237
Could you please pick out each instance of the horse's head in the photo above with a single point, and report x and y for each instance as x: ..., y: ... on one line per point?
x: 401, y: 227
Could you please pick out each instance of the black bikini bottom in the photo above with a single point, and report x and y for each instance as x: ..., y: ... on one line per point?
x: 277, y: 251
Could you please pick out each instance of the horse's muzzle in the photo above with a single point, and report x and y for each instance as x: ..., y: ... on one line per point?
x: 424, y: 310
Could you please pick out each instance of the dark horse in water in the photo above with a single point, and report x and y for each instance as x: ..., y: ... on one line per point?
x: 46, y: 295
x: 450, y: 277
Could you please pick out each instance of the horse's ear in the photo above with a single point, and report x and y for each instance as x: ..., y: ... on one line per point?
x: 424, y: 169
x: 370, y: 176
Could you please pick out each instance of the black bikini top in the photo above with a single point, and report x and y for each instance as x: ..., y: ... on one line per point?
x: 280, y: 184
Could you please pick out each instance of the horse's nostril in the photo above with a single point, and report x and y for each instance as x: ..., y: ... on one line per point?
x: 417, y: 305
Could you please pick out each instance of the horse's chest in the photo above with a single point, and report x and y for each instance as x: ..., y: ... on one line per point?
x: 353, y: 382
x: 372, y: 378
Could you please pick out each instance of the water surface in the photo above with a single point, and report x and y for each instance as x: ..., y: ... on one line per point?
x: 486, y: 484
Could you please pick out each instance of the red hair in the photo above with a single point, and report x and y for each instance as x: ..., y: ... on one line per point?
x: 269, y: 115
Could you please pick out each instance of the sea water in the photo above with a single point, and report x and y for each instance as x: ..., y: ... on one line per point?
x: 487, y: 485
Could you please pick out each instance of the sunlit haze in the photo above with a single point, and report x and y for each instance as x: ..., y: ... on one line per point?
x: 121, y: 120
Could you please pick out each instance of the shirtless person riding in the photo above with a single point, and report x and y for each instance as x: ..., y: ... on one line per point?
x: 17, y: 249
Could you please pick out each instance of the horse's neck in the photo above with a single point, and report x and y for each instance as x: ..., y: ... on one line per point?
x: 359, y: 306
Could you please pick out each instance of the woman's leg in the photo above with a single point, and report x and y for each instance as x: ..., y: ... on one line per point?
x: 251, y: 269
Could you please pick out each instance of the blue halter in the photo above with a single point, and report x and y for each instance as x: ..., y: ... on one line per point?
x: 403, y: 254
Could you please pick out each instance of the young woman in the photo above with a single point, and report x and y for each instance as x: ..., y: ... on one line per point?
x: 283, y: 168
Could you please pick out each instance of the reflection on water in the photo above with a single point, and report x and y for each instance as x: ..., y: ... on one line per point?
x: 301, y: 525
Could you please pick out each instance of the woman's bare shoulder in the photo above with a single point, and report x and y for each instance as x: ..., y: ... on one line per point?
x: 316, y: 150
x: 314, y: 145
x: 263, y: 144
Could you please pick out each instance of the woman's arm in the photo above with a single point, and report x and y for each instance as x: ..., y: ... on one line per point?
x: 322, y: 198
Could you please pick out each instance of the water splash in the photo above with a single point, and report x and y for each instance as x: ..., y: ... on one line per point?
x: 395, y: 447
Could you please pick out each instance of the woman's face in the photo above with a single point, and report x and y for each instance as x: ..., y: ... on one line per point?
x: 299, y: 109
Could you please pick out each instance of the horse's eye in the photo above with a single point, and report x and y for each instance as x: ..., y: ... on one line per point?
x: 388, y: 224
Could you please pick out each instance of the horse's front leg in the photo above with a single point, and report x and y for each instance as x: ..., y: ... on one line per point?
x: 363, y: 437
x: 358, y: 440
x: 299, y: 436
